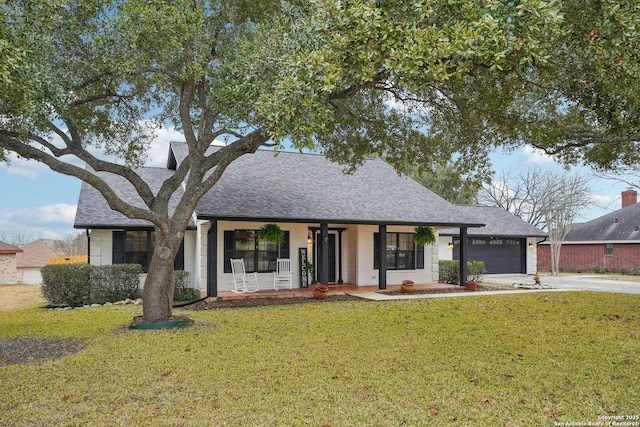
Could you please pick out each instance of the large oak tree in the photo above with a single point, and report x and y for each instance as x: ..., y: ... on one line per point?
x: 410, y: 81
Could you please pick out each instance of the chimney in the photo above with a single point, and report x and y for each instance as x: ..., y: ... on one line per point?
x: 629, y: 197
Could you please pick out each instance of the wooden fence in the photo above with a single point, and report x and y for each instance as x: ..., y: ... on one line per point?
x: 68, y: 259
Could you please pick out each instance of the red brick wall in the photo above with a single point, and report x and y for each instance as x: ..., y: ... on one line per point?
x: 585, y: 257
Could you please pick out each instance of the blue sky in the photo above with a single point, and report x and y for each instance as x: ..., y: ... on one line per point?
x: 40, y: 203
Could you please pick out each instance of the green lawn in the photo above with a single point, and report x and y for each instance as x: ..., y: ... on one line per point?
x: 514, y: 360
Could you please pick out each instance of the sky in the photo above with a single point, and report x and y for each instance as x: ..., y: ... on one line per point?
x: 39, y: 203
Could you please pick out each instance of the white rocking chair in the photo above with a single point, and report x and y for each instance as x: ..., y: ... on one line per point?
x: 283, y: 277
x: 243, y: 281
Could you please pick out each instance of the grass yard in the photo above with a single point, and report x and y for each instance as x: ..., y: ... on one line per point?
x: 512, y: 360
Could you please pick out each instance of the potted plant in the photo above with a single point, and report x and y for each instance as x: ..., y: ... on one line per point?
x: 310, y: 270
x: 475, y: 271
x: 408, y: 286
x: 424, y: 236
x: 320, y: 291
x: 271, y: 233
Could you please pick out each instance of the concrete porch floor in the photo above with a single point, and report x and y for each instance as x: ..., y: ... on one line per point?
x: 334, y: 289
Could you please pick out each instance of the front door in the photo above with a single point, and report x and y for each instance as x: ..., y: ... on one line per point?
x: 332, y: 257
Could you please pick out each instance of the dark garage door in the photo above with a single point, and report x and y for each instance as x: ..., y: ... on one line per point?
x: 502, y: 255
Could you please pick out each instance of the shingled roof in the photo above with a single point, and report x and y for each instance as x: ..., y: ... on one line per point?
x: 94, y: 211
x: 498, y: 223
x: 6, y: 248
x: 309, y: 188
x: 294, y: 187
x: 621, y: 225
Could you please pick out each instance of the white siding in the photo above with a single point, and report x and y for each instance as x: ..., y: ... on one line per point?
x: 101, y: 248
x: 444, y: 250
x: 368, y: 276
x: 297, y: 239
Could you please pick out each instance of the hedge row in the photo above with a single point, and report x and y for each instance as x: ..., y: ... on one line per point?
x: 449, y: 271
x: 80, y: 284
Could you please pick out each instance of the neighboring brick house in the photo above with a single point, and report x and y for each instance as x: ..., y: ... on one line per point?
x: 8, y: 264
x: 611, y: 241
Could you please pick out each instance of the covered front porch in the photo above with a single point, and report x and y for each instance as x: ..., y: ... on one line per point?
x: 349, y: 257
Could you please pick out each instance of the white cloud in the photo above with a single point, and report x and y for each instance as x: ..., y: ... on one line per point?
x: 157, y: 154
x: 25, y: 168
x: 58, y: 213
x: 535, y: 156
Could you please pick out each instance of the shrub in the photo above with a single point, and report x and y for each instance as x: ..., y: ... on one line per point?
x: 66, y: 284
x: 623, y: 271
x: 117, y: 282
x: 183, y: 291
x: 449, y: 271
x: 635, y: 271
x: 475, y: 271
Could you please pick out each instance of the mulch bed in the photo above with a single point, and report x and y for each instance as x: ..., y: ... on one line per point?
x: 22, y: 350
x: 260, y: 302
x: 264, y: 301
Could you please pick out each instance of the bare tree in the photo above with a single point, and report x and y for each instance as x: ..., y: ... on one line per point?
x: 548, y: 200
x: 73, y: 244
x: 16, y: 238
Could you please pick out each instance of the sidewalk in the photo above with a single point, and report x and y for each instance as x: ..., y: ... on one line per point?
x: 375, y: 296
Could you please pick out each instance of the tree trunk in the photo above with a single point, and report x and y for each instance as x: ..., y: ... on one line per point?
x: 555, y: 258
x: 159, y: 284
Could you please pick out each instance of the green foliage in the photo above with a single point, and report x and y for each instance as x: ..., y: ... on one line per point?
x: 389, y: 369
x: 183, y: 290
x: 271, y: 233
x: 449, y: 271
x: 424, y: 236
x: 412, y: 82
x: 475, y: 271
x: 449, y: 182
x: 78, y: 284
x: 117, y: 282
x: 600, y: 270
x: 66, y: 284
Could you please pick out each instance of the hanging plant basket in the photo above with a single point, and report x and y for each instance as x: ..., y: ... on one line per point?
x: 424, y: 236
x: 271, y: 233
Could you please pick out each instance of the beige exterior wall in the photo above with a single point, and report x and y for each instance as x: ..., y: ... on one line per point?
x: 8, y: 269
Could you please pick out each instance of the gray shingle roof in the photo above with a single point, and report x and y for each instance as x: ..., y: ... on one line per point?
x: 291, y: 187
x: 498, y: 222
x: 310, y: 188
x: 623, y: 224
x: 94, y: 212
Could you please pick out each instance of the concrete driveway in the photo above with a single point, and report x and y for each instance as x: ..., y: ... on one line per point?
x: 584, y: 282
